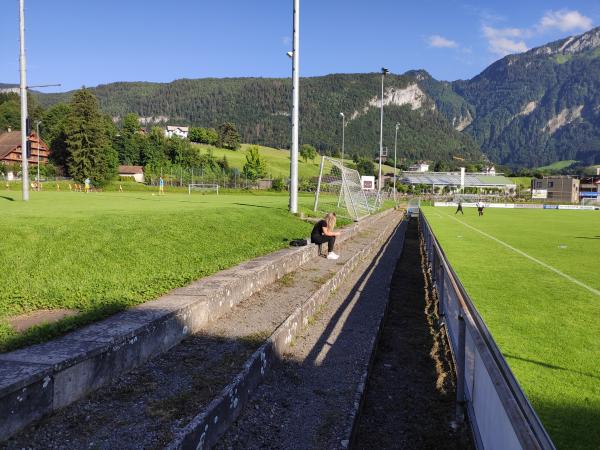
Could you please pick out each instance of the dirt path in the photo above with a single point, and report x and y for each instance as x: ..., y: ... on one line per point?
x: 410, y: 398
x: 307, y: 400
x: 142, y: 408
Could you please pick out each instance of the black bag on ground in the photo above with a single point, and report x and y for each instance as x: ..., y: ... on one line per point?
x: 298, y: 242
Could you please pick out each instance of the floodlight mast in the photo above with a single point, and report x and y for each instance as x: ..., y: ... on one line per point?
x: 23, y: 92
x: 384, y: 72
x: 295, y: 109
x: 343, y: 135
x: 395, y: 163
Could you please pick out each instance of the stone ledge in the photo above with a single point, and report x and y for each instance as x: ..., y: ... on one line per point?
x: 43, y: 378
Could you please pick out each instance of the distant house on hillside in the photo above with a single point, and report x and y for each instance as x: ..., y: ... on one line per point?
x: 175, y: 130
x: 419, y: 167
x: 10, y: 149
x: 135, y: 172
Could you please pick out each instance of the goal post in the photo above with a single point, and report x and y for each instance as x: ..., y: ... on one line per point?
x: 339, y: 190
x: 205, y: 188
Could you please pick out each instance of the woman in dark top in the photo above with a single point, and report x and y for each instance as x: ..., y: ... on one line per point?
x: 323, y: 232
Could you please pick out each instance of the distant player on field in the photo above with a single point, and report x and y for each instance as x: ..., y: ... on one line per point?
x: 87, y: 185
x: 161, y: 186
x: 480, y: 208
x: 459, y: 208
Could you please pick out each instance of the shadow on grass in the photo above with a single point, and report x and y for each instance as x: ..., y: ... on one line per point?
x: 10, y: 199
x: 551, y: 366
x: 587, y: 237
x: 257, y: 206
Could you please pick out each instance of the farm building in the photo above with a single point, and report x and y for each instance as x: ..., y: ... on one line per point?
x: 135, y: 172
x: 452, y: 181
x: 175, y: 130
x: 10, y: 149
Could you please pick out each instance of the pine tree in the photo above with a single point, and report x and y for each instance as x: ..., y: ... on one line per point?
x: 229, y: 136
x: 91, y: 154
x: 255, y: 167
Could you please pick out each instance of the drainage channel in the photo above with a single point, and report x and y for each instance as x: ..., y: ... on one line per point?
x: 410, y: 398
x: 144, y: 408
x: 310, y: 397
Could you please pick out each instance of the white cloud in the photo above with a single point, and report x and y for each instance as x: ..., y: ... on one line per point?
x: 565, y: 20
x: 503, y: 41
x: 441, y: 42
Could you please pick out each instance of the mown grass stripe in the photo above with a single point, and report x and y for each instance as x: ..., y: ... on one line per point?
x: 522, y: 253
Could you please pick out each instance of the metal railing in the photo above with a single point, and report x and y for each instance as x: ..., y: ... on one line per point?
x: 499, y: 413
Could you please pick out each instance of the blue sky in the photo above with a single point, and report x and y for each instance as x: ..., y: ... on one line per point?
x: 100, y: 41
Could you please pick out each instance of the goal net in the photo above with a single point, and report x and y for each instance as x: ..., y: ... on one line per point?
x: 339, y: 190
x: 203, y: 188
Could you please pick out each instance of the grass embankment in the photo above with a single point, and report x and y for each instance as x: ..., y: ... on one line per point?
x: 558, y: 165
x: 278, y: 161
x: 545, y: 325
x: 99, y: 253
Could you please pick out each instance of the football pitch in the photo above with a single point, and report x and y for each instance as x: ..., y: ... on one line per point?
x: 534, y: 275
x: 99, y: 253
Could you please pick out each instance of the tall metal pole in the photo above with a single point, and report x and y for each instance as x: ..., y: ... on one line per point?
x: 23, y: 91
x: 37, y: 130
x: 384, y: 71
x: 395, y: 163
x: 295, y: 110
x: 343, y: 135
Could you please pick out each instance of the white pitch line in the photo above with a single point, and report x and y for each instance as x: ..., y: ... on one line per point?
x: 541, y: 263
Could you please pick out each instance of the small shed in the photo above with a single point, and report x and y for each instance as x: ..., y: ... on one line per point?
x: 135, y: 172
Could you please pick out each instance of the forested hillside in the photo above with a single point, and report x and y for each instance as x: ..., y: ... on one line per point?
x: 538, y: 107
x: 529, y: 109
x: 260, y: 109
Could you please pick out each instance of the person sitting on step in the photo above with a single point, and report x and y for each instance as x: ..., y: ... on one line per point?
x: 323, y: 233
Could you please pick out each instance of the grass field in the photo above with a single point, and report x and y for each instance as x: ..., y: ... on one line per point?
x: 558, y: 165
x: 545, y: 324
x: 278, y: 161
x: 99, y: 253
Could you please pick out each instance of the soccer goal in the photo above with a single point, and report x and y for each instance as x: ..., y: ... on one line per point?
x: 203, y: 188
x: 339, y: 189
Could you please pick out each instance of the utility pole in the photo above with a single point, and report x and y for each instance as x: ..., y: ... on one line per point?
x: 295, y: 110
x: 37, y: 130
x: 343, y: 135
x: 384, y: 72
x: 23, y: 91
x: 395, y: 163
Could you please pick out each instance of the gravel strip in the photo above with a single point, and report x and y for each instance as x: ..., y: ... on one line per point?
x: 307, y: 399
x: 142, y: 408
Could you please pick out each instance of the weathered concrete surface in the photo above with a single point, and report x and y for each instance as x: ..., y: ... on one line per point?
x: 46, y: 377
x: 205, y: 429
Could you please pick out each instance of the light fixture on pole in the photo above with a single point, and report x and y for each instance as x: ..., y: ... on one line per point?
x: 384, y: 72
x: 295, y: 55
x: 23, y: 93
x: 395, y: 163
x: 343, y: 135
x: 37, y: 135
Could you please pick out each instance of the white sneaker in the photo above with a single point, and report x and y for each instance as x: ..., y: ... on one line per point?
x: 332, y: 256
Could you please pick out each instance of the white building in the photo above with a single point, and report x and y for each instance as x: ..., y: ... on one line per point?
x: 490, y: 171
x: 175, y: 130
x: 419, y: 167
x: 135, y: 172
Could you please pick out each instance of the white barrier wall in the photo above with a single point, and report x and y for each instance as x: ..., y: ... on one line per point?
x: 519, y: 206
x: 499, y: 413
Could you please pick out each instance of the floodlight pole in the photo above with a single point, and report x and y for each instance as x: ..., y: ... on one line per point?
x: 395, y: 163
x: 295, y: 110
x: 23, y: 92
x: 343, y: 135
x: 384, y: 71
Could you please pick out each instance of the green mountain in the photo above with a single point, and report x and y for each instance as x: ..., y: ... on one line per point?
x: 529, y: 109
x: 260, y: 107
x: 537, y: 107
